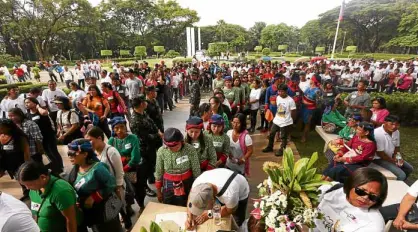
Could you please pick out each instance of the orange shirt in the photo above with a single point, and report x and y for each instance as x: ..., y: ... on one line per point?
x: 98, y: 104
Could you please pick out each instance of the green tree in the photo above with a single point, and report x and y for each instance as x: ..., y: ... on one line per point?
x: 266, y: 51
x: 40, y: 22
x: 258, y: 48
x: 255, y: 33
x: 140, y: 51
x: 215, y: 49
x: 313, y: 34
x: 172, y: 54
x: 273, y: 35
x: 159, y: 50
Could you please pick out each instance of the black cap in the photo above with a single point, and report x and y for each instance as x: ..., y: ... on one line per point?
x: 173, y: 135
x: 131, y: 70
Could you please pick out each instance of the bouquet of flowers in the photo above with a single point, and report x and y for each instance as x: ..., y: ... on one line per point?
x: 289, y: 194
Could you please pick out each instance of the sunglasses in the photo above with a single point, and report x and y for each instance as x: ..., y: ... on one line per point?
x: 362, y: 193
x: 71, y: 153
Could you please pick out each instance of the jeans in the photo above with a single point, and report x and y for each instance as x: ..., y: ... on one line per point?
x: 176, y: 94
x: 253, y: 118
x: 160, y: 100
x: 239, y: 214
x: 67, y: 83
x: 284, y: 133
x: 81, y: 83
x: 400, y: 172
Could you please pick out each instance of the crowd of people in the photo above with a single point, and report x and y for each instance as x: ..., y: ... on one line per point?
x: 114, y: 130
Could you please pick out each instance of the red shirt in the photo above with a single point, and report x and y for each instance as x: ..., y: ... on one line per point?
x: 267, y: 76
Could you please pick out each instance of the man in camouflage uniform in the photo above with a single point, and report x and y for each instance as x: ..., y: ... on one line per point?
x: 149, y: 136
x: 153, y: 109
x: 195, y: 94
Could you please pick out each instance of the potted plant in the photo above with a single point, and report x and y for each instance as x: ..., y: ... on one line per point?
x: 289, y: 195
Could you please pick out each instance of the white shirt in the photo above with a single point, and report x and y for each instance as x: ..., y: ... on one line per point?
x: 15, y: 216
x: 106, y: 79
x: 133, y: 87
x: 49, y: 96
x: 68, y: 76
x: 176, y: 80
x: 226, y: 102
x: 62, y: 120
x: 378, y: 75
x: 5, y: 70
x: 77, y: 95
x: 80, y: 74
x: 114, y: 158
x: 283, y: 115
x: 335, y: 207
x: 236, y: 152
x: 386, y: 142
x: 237, y: 191
x: 255, y: 95
x: 347, y: 79
x: 7, y: 104
x: 304, y: 85
x: 413, y: 190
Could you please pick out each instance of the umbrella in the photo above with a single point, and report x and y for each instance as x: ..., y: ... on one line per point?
x: 303, y: 59
x: 318, y: 58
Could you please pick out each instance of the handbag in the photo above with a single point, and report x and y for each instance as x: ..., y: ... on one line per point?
x: 131, y: 176
x: 112, y: 207
x: 412, y: 215
x: 269, y: 115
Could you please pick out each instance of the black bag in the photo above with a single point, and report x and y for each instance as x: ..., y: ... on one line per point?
x: 412, y: 215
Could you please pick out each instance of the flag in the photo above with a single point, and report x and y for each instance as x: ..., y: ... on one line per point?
x: 341, y: 12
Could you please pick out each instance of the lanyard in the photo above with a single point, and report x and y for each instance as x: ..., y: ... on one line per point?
x: 43, y: 201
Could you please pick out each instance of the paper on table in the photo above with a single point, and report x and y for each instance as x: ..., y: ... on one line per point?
x: 178, y: 217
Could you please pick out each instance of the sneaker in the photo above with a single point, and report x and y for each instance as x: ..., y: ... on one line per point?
x: 267, y: 149
x: 150, y: 193
x: 279, y: 152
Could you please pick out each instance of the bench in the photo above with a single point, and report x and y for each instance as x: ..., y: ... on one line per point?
x: 328, y: 137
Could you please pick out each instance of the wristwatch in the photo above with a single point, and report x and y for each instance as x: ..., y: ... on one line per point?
x: 210, y: 214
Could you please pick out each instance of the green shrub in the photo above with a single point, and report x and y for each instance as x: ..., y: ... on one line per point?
x: 20, y: 84
x: 172, y: 54
x: 405, y: 105
x: 292, y: 55
x: 23, y: 89
x: 9, y: 60
x: 266, y: 51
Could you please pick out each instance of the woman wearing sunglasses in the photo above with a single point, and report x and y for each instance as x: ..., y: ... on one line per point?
x: 94, y: 185
x: 356, y: 153
x: 355, y: 205
x: 176, y: 168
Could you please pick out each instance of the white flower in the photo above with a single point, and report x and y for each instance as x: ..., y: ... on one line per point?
x: 280, y: 229
x: 281, y: 218
x: 260, y: 185
x: 256, y: 204
x: 298, y: 218
x: 282, y: 198
x: 270, y: 183
x: 262, y: 205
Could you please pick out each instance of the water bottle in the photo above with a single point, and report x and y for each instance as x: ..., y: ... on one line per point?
x: 217, y: 218
x: 399, y: 159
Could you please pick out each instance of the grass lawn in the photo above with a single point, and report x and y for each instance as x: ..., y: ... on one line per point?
x: 409, y: 148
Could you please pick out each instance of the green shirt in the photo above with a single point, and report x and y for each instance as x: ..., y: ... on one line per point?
x: 59, y: 195
x: 177, y: 162
x: 334, y: 117
x: 208, y: 153
x: 347, y: 133
x: 128, y: 147
x: 220, y: 142
x: 218, y: 83
x: 36, y: 70
x: 97, y: 179
x: 232, y: 95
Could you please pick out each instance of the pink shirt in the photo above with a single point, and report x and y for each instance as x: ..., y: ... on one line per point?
x: 407, y: 81
x: 379, y: 115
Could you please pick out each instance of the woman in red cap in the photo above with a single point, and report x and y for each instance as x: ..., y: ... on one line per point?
x: 201, y: 142
x: 220, y: 139
x: 309, y: 104
x: 176, y: 167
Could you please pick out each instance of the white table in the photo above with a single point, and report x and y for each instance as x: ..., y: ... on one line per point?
x: 396, y: 191
x: 325, y: 136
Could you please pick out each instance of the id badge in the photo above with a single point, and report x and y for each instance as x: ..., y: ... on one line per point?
x: 8, y: 147
x: 196, y: 145
x: 329, y: 94
x: 35, y: 206
x: 80, y: 183
x: 110, y: 98
x: 182, y: 159
x: 128, y: 146
x: 353, y: 96
x: 217, y: 144
x: 36, y: 117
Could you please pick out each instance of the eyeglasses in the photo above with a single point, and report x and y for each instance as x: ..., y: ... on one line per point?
x: 361, y: 193
x: 71, y: 153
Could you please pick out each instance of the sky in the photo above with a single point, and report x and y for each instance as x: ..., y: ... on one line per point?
x: 247, y: 12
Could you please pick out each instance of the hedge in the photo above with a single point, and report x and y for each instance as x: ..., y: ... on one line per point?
x: 4, y: 86
x: 405, y: 105
x: 23, y: 89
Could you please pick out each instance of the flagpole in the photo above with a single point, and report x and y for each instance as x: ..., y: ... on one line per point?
x: 335, y: 40
x: 338, y: 27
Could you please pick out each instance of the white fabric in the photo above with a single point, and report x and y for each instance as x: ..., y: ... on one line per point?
x: 335, y: 207
x: 413, y: 190
x: 49, y: 96
x: 77, y: 95
x: 176, y: 80
x: 107, y: 79
x: 5, y: 70
x: 15, y: 216
x: 283, y: 115
x: 7, y: 104
x: 236, y: 152
x: 226, y: 102
x: 378, y: 75
x: 133, y: 87
x: 80, y: 74
x: 237, y: 191
x: 255, y: 95
x: 116, y: 161
x: 386, y: 142
x: 304, y: 85
x: 66, y: 125
x: 68, y: 76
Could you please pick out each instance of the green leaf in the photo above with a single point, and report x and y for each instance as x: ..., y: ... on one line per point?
x: 289, y: 159
x: 155, y: 227
x: 314, y: 184
x: 299, y: 165
x: 308, y: 175
x: 313, y: 160
x: 143, y: 229
x: 296, y: 186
